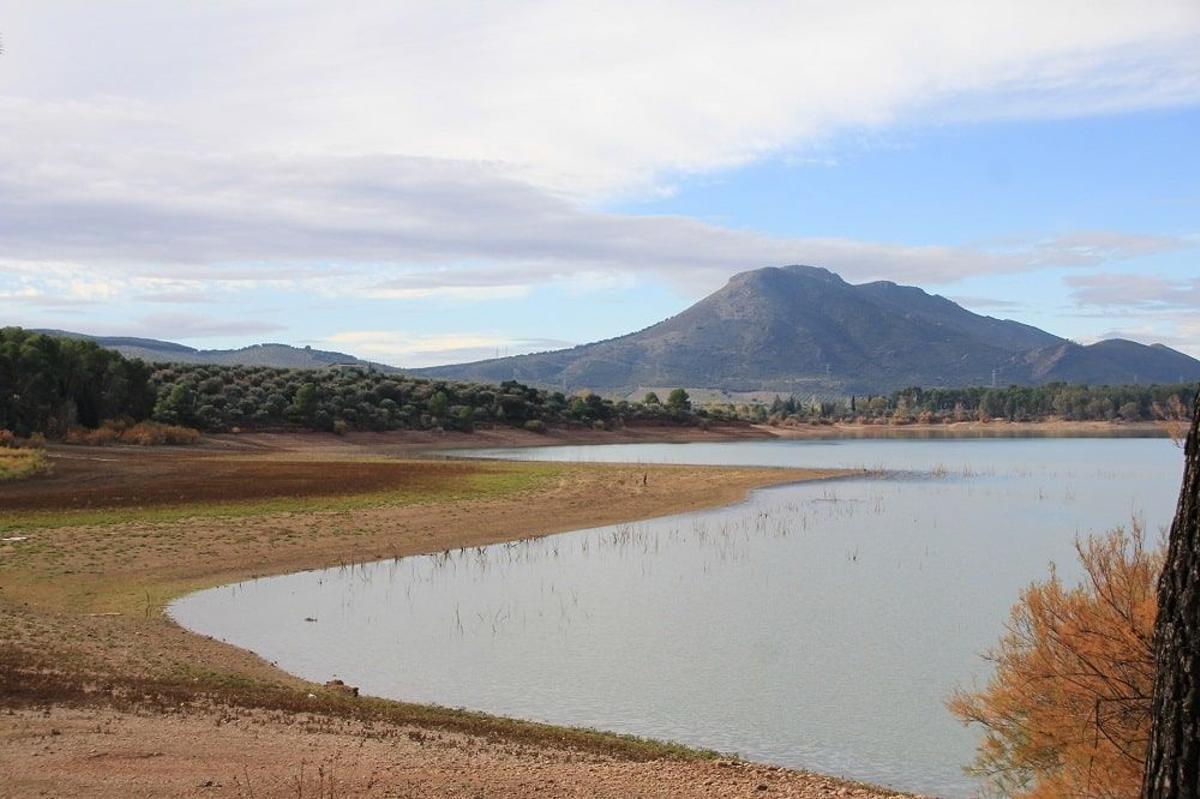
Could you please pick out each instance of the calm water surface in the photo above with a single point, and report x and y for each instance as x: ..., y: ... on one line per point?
x: 818, y: 625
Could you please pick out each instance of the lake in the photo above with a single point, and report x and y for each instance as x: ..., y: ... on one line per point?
x: 818, y: 626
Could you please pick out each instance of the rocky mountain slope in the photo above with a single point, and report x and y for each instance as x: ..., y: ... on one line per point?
x: 802, y: 328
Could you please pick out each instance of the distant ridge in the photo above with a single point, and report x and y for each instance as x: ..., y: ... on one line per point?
x: 804, y: 329
x: 281, y: 356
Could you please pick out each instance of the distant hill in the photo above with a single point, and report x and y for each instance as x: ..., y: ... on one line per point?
x: 276, y: 355
x: 803, y: 329
x: 1136, y: 363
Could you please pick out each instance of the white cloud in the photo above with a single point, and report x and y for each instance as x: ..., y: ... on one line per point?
x: 414, y: 350
x: 1090, y: 247
x: 989, y: 303
x: 587, y: 97
x: 192, y: 326
x: 1144, y: 292
x: 392, y: 227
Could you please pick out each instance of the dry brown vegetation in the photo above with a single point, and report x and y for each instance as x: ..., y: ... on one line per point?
x: 146, y: 434
x: 22, y: 458
x: 1067, y: 712
x: 1175, y: 418
x: 19, y: 464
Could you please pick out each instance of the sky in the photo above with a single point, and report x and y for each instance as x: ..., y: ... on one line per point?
x: 422, y: 183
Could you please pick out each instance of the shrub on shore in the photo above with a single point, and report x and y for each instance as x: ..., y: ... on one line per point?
x: 1067, y: 711
x: 19, y: 464
x: 143, y: 434
x: 9, y: 440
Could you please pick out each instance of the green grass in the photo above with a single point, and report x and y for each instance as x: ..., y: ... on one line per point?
x: 494, y: 482
x: 19, y: 464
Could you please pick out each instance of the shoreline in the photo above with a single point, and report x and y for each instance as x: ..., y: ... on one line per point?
x: 416, y: 443
x: 1051, y: 428
x: 84, y: 632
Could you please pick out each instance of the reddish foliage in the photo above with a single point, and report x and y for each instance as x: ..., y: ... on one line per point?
x: 142, y: 433
x: 1067, y: 712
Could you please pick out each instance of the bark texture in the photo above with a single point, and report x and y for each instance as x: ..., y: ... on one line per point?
x: 1173, y: 755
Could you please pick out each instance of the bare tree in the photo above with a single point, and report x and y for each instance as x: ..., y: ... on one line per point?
x: 1173, y: 757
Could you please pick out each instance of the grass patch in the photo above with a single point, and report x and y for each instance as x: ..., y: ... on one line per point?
x: 495, y: 480
x: 134, y: 560
x: 21, y: 464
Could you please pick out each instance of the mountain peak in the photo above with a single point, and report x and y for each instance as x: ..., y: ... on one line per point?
x: 817, y: 272
x: 803, y: 329
x: 791, y: 270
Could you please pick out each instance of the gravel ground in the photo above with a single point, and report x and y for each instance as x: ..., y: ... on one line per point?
x: 235, y: 753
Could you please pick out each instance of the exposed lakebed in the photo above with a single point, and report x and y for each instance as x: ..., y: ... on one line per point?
x: 817, y: 625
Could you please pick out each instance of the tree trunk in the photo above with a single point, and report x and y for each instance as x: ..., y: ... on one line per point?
x: 1173, y: 754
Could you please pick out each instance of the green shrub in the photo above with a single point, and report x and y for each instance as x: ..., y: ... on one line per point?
x: 678, y: 400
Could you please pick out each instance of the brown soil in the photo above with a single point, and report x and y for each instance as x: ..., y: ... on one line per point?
x: 408, y: 443
x: 102, y: 753
x: 119, y: 477
x: 143, y: 707
x: 422, y: 442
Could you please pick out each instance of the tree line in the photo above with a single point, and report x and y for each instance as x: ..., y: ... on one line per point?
x: 1131, y: 403
x: 51, y: 385
x: 359, y: 398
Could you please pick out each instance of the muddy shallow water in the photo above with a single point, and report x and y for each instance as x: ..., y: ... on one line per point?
x: 817, y: 625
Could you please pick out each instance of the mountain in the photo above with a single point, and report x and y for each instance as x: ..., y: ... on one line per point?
x: 1072, y: 363
x: 276, y: 355
x: 804, y: 329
